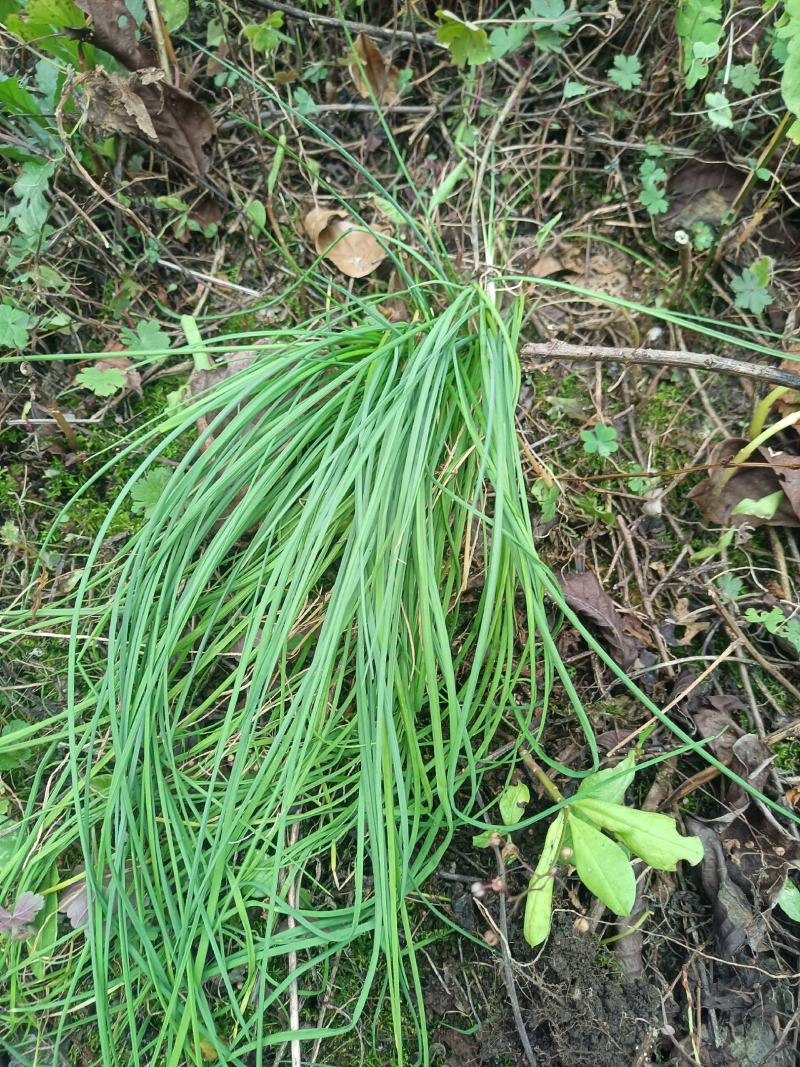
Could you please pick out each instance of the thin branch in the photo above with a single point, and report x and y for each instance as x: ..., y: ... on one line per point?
x: 354, y: 27
x: 532, y: 356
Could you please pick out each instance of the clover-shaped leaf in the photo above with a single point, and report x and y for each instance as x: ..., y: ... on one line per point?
x: 601, y: 439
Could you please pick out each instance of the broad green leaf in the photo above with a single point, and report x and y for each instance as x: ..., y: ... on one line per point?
x: 257, y: 213
x: 610, y: 784
x: 602, y: 866
x: 30, y: 214
x: 174, y: 13
x: 512, y: 803
x: 41, y: 944
x: 539, y: 900
x: 789, y: 900
x: 763, y: 508
x: 546, y: 496
x: 652, y: 836
x: 699, y: 26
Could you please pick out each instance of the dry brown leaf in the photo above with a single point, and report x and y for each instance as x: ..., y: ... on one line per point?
x: 114, y: 104
x: 586, y: 596
x: 374, y: 77
x: 143, y: 104
x: 354, y: 251
x: 114, y: 30
x: 749, y: 483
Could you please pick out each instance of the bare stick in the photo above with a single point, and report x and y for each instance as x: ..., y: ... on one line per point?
x: 533, y: 355
x: 354, y: 27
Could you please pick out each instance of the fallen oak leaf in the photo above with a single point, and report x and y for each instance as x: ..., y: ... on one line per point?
x: 354, y: 251
x: 372, y: 75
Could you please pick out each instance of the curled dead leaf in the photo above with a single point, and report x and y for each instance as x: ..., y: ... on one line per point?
x: 114, y: 104
x: 74, y: 903
x: 586, y: 596
x: 144, y: 103
x: 373, y: 75
x: 354, y: 251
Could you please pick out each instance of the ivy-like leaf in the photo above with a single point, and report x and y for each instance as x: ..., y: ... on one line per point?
x: 466, y: 43
x: 101, y: 382
x: 539, y: 901
x: 751, y: 291
x: 148, y: 337
x: 602, y: 865
x: 745, y: 77
x: 650, y: 835
x: 507, y: 39
x: 626, y: 72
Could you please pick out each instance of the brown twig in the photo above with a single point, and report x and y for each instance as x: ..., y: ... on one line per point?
x: 532, y: 355
x: 353, y: 27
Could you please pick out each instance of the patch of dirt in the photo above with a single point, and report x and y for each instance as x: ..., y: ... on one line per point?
x: 580, y: 1011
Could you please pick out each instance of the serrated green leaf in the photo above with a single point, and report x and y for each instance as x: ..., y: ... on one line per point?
x: 539, y: 900
x: 751, y: 293
x: 626, y: 71
x: 507, y: 39
x: 720, y: 113
x: 146, y: 493
x: 102, y: 381
x: 789, y: 900
x: 467, y: 43
x: 611, y: 783
x: 12, y: 755
x: 147, y: 337
x: 602, y: 865
x: 30, y: 188
x: 745, y: 77
x: 649, y: 834
x: 512, y: 802
x: 654, y: 200
x: 14, y: 326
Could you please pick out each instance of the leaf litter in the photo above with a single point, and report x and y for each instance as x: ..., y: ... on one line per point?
x: 350, y: 247
x: 144, y: 102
